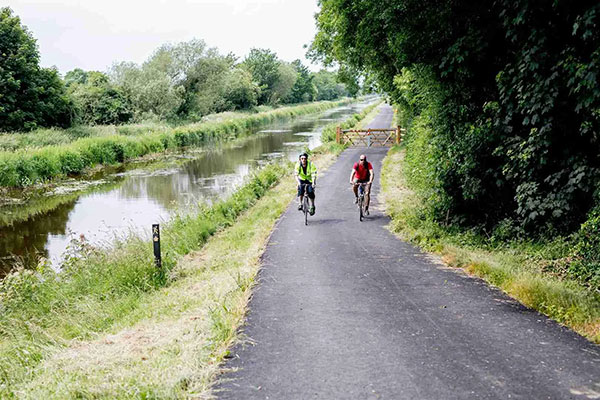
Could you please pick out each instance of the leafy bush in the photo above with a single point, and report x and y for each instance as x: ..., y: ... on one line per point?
x: 586, y: 255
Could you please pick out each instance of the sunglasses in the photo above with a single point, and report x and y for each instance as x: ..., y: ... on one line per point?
x: 362, y: 159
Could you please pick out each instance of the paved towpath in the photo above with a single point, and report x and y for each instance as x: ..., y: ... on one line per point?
x: 345, y: 310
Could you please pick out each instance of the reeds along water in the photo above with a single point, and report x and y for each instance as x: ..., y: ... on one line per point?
x: 25, y: 167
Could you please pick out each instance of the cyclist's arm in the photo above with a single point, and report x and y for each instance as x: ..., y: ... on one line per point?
x: 352, y: 176
x: 313, y: 175
x: 371, y: 175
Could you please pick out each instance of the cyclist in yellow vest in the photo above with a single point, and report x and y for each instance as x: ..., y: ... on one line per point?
x: 306, y: 174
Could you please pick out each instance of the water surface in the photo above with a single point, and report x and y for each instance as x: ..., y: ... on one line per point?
x: 133, y: 200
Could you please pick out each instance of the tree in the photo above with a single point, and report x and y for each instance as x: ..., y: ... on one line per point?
x: 282, y: 88
x: 507, y: 92
x: 327, y: 86
x: 304, y: 89
x: 150, y: 89
x: 264, y: 67
x: 204, y: 84
x: 349, y: 77
x: 239, y: 90
x: 30, y: 96
x: 96, y: 99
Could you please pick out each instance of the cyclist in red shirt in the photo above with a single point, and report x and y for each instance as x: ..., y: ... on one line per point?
x: 362, y: 172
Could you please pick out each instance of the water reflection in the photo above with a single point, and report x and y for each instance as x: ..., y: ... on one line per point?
x: 146, y: 197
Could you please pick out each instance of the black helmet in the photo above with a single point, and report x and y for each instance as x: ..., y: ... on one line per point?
x: 303, y: 155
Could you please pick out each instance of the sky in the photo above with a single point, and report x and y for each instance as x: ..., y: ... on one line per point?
x: 93, y: 34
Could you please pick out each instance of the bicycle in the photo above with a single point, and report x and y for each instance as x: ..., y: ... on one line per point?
x: 305, y: 207
x: 361, y: 201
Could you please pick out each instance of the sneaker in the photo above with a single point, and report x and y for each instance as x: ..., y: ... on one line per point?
x: 312, y: 210
x: 300, y: 207
x: 356, y: 200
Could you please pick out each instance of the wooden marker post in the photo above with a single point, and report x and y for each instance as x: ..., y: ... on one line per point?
x: 338, y: 135
x: 156, y: 242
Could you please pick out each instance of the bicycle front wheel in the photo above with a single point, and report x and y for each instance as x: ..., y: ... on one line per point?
x: 305, y: 209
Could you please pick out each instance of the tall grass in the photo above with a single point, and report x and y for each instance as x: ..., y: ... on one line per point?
x: 25, y: 167
x: 44, y: 309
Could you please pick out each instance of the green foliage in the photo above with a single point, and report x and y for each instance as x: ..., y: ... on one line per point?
x: 304, y: 89
x: 264, y: 67
x: 286, y: 80
x: 350, y: 78
x: 327, y: 86
x: 30, y: 96
x: 149, y: 88
x: 203, y: 84
x: 505, y: 95
x: 585, y: 265
x: 97, y: 101
x: 240, y: 91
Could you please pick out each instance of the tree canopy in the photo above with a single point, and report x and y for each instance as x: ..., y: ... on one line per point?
x: 506, y: 93
x: 30, y: 96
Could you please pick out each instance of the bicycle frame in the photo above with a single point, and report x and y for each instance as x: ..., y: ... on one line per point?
x: 361, y: 200
x: 305, y: 203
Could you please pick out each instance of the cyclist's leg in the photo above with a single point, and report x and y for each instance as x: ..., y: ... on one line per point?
x: 355, y: 189
x: 367, y: 195
x: 310, y: 192
x: 300, y: 195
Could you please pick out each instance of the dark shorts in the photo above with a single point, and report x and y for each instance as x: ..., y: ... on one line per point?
x: 309, y: 189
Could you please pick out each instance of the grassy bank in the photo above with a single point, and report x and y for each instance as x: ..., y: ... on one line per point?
x: 43, y: 311
x: 110, y: 325
x: 521, y: 269
x: 27, y: 166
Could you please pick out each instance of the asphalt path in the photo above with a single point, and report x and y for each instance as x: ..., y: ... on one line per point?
x: 345, y: 310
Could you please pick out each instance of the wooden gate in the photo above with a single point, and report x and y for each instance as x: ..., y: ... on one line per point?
x: 369, y: 137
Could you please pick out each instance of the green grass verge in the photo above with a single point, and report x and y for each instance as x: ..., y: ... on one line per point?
x: 25, y: 167
x: 110, y: 325
x: 521, y: 269
x: 42, y: 311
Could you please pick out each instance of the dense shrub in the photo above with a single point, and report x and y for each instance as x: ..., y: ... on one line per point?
x: 586, y: 255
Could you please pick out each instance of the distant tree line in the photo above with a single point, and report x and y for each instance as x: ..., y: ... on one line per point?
x: 178, y: 82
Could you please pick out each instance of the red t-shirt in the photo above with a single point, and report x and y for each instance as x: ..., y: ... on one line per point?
x: 360, y: 172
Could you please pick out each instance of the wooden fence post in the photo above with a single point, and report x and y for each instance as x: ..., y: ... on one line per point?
x: 338, y: 135
x: 398, y: 135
